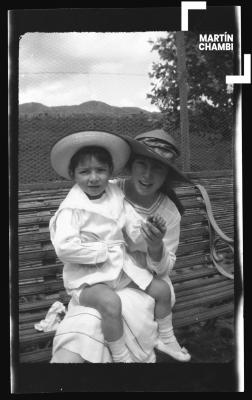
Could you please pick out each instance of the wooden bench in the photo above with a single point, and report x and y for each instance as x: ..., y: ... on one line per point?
x: 202, y: 291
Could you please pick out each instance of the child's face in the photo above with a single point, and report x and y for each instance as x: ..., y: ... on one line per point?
x: 147, y: 175
x: 92, y: 176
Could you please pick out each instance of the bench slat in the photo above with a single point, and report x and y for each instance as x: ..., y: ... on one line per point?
x: 202, y: 293
x: 208, y: 299
x: 197, y: 284
x: 44, y: 287
x: 39, y: 271
x: 185, y: 319
x: 44, y: 355
x: 193, y: 274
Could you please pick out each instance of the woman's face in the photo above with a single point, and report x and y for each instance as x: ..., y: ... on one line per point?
x: 148, y: 175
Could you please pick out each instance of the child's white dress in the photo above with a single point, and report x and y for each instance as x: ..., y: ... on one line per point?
x: 80, y: 330
x: 88, y: 238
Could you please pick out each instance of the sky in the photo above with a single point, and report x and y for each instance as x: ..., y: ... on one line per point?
x: 74, y: 67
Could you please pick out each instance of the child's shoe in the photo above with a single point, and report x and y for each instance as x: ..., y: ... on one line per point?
x: 174, y: 350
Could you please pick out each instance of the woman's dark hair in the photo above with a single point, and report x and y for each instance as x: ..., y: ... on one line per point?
x: 168, y: 186
x: 170, y: 192
x: 101, y: 154
x: 168, y: 189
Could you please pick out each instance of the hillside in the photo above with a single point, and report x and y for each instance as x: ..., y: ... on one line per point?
x: 89, y: 107
x: 33, y: 108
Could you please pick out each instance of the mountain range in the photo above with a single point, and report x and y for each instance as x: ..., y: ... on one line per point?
x: 89, y: 107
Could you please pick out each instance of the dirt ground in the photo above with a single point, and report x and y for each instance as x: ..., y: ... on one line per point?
x: 207, y: 342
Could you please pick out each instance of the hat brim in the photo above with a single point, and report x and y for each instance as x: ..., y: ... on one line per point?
x: 64, y: 149
x: 141, y: 149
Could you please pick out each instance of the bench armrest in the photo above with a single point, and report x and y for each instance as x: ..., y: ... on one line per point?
x: 213, y: 230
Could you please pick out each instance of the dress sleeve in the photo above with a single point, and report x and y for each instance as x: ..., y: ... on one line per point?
x: 133, y: 222
x: 170, y: 245
x: 65, y: 237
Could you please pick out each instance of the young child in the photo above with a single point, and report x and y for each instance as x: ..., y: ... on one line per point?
x: 88, y: 228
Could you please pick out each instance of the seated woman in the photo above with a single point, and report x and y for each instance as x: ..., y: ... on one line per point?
x: 79, y: 336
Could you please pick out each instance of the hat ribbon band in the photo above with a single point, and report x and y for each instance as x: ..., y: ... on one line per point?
x: 163, y: 149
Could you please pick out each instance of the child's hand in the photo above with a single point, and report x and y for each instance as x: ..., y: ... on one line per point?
x: 153, y: 231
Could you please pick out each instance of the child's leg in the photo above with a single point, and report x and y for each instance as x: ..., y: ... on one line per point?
x: 160, y: 291
x: 108, y: 303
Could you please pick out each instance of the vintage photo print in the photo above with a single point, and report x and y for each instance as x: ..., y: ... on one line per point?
x: 126, y: 261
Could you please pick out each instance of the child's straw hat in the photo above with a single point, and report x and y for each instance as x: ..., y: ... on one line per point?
x: 64, y: 149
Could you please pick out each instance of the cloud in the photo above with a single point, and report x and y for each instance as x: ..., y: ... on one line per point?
x: 84, y: 52
x: 103, y: 64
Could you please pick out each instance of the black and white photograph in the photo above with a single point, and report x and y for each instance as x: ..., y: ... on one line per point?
x: 125, y: 158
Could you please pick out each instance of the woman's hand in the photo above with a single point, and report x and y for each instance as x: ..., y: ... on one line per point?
x: 153, y: 231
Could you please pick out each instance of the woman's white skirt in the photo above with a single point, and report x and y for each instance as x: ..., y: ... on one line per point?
x: 80, y: 330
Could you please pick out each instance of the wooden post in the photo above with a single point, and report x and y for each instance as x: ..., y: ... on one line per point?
x: 182, y: 82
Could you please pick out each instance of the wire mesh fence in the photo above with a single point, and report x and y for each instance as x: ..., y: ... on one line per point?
x: 211, y: 147
x: 37, y: 135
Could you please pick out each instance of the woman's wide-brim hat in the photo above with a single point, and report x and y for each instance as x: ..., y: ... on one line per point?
x: 64, y: 149
x: 161, y: 146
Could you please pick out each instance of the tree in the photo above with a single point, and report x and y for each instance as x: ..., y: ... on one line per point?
x: 208, y: 95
